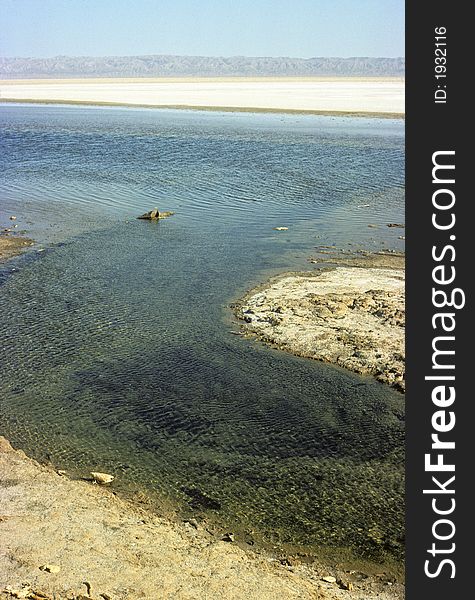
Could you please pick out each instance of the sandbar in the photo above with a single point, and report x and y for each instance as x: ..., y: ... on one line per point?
x: 382, y: 97
x: 350, y: 315
x: 12, y: 246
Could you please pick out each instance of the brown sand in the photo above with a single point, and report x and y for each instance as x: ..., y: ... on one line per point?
x: 11, y: 245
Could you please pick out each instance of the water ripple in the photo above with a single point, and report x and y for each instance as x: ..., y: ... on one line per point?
x: 118, y: 352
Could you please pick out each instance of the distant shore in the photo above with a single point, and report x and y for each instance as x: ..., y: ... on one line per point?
x: 345, y: 96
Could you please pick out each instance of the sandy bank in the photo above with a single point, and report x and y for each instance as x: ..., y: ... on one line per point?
x: 354, y: 96
x: 12, y: 246
x: 352, y: 316
x: 87, y: 534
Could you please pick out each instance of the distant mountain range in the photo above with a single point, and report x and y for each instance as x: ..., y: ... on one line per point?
x: 197, y: 66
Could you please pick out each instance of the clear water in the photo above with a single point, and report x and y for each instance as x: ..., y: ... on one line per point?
x: 118, y: 353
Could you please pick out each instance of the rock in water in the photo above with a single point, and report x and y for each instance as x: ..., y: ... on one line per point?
x: 155, y: 215
x: 102, y: 477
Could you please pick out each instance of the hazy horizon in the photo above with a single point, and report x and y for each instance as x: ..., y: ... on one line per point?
x: 227, y: 56
x: 173, y: 65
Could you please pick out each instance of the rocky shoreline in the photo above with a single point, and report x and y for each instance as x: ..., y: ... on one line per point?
x: 351, y: 314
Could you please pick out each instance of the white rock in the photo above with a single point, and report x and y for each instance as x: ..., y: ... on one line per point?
x: 102, y: 477
x: 50, y: 568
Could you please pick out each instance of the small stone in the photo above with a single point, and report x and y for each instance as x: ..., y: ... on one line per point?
x: 345, y: 585
x: 228, y: 537
x: 50, y: 568
x: 193, y: 523
x: 329, y: 579
x: 102, y: 478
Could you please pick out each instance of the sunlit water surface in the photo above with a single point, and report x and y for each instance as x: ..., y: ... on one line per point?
x: 118, y: 352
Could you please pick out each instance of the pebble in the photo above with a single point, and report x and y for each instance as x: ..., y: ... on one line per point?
x: 102, y: 478
x: 193, y: 523
x: 329, y: 579
x: 50, y: 568
x: 345, y: 585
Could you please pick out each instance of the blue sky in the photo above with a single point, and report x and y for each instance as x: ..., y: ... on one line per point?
x: 296, y: 28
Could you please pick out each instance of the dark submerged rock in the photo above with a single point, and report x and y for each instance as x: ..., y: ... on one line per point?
x: 200, y: 500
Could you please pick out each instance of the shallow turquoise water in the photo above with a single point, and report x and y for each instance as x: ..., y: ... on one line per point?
x: 118, y: 351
